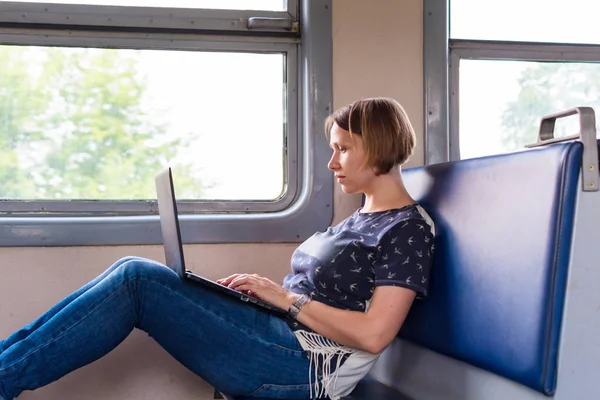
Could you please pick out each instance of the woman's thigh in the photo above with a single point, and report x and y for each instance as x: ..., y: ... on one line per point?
x: 237, y: 347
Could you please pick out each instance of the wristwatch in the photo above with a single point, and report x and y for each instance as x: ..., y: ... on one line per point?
x: 298, y: 304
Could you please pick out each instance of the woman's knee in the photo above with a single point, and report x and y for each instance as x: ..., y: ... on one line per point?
x: 123, y: 260
x: 138, y: 267
x: 116, y: 265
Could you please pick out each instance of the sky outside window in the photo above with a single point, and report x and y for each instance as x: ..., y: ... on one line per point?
x: 85, y: 123
x: 574, y: 21
x: 269, y: 5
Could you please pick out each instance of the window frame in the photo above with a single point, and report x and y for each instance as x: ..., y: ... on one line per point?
x: 505, y: 51
x: 164, y: 18
x: 307, y: 203
x: 159, y: 41
x: 442, y: 73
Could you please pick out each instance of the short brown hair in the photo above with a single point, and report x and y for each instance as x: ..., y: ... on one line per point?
x: 387, y: 133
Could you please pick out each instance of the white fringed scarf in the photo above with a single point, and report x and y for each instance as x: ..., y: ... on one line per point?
x: 321, y: 347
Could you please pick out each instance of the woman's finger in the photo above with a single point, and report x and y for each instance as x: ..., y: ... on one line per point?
x: 244, y: 288
x: 227, y: 281
x: 238, y: 280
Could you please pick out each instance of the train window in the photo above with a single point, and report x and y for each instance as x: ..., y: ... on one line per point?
x: 551, y: 21
x: 273, y: 5
x: 501, y: 102
x: 489, y: 86
x: 93, y: 103
x: 90, y: 123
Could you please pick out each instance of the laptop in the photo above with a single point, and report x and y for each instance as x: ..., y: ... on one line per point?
x: 169, y: 223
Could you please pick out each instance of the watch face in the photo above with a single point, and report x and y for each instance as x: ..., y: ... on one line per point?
x: 294, y: 311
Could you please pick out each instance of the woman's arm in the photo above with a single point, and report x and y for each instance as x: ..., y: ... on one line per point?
x: 370, y: 331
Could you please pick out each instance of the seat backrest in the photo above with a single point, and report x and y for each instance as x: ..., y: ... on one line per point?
x: 504, y: 226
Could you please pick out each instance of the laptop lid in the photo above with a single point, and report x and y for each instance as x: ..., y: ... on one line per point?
x: 169, y: 221
x: 169, y: 224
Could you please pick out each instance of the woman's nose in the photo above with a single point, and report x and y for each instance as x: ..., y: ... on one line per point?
x: 333, y: 163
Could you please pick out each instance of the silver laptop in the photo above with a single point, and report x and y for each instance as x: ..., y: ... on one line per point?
x: 169, y: 223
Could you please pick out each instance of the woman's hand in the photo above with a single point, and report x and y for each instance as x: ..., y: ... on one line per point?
x: 260, y: 287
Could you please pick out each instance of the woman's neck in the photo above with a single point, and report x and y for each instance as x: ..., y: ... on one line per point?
x: 387, y: 192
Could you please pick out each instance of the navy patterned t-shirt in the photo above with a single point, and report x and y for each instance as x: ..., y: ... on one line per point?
x: 342, y: 266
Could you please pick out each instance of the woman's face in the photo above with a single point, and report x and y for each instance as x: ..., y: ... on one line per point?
x: 347, y: 161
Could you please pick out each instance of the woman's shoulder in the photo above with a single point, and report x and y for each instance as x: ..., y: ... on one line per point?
x: 409, y: 218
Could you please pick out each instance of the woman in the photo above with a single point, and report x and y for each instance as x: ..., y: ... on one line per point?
x: 349, y: 292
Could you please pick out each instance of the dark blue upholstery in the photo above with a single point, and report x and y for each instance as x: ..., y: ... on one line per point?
x: 504, y: 226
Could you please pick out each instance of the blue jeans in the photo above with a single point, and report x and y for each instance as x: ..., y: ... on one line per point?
x: 238, y: 348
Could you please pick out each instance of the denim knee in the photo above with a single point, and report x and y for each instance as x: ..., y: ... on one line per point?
x: 137, y: 267
x: 125, y: 259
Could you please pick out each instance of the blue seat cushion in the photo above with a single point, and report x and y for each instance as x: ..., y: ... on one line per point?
x: 504, y: 228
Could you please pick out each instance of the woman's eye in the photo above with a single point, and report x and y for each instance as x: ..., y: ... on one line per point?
x: 342, y: 150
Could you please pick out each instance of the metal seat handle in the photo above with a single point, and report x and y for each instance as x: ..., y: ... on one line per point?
x: 586, y: 135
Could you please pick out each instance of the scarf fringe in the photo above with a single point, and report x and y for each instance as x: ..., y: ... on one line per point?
x: 322, y: 348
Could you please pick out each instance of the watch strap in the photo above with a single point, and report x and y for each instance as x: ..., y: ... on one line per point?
x: 297, y: 305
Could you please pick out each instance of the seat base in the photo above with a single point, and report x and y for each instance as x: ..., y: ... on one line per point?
x: 367, y: 389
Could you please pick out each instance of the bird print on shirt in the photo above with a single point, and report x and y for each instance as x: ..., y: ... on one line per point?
x: 336, y: 256
x: 344, y: 266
